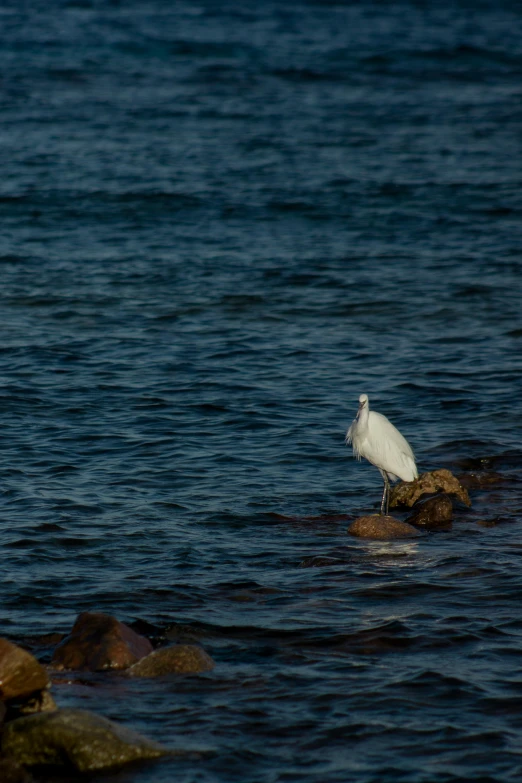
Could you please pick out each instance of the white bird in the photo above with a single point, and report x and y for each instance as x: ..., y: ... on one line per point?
x: 377, y: 440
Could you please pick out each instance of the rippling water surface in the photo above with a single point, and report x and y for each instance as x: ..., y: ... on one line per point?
x: 220, y: 224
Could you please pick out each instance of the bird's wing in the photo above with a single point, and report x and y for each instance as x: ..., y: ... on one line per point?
x: 350, y: 438
x: 389, y: 449
x: 350, y: 433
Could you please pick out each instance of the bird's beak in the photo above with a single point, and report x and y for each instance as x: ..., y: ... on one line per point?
x: 359, y: 409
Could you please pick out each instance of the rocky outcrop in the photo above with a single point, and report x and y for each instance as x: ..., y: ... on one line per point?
x: 407, y: 493
x: 382, y: 528
x: 100, y: 642
x: 178, y: 659
x: 75, y: 739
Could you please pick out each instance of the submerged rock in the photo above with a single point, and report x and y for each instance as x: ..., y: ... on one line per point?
x: 319, y: 561
x: 21, y: 675
x: 75, y: 738
x: 436, y: 512
x: 178, y: 659
x: 98, y: 642
x: 480, y: 479
x: 382, y: 528
x: 407, y: 493
x: 492, y: 522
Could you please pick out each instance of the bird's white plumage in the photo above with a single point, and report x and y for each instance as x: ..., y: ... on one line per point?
x: 383, y: 445
x: 375, y: 438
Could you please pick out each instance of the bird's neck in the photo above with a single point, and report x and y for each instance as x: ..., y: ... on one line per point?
x: 363, y: 416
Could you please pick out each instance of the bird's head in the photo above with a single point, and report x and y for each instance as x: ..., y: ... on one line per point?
x: 363, y: 403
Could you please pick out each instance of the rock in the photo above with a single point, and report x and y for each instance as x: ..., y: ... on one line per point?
x: 435, y: 512
x: 408, y: 492
x: 98, y: 642
x: 493, y: 522
x: 20, y: 673
x: 13, y: 772
x: 75, y: 738
x: 178, y: 659
x: 382, y: 528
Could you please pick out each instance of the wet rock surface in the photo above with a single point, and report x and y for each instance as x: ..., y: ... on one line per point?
x: 20, y: 673
x: 178, y: 659
x: 407, y: 493
x: 382, y: 528
x: 436, y: 512
x: 100, y: 642
x: 76, y: 739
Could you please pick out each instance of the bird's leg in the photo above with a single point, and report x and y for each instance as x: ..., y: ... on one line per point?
x: 386, y: 494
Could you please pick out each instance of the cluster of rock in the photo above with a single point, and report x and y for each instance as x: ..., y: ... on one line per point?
x: 441, y: 487
x: 36, y: 733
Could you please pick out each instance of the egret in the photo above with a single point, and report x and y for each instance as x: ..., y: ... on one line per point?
x: 377, y: 440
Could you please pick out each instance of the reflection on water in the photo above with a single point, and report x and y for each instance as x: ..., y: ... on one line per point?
x: 394, y: 553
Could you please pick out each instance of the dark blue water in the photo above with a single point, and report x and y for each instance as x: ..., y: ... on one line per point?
x: 222, y: 222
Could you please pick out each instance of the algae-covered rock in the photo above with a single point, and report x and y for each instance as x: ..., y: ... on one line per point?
x: 407, y: 493
x: 99, y: 642
x: 75, y: 738
x: 382, y: 527
x: 20, y: 673
x: 178, y: 659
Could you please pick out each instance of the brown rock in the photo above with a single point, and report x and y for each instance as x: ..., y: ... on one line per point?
x: 20, y: 673
x: 98, y: 642
x: 178, y: 659
x: 433, y: 513
x: 382, y: 528
x: 408, y: 492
